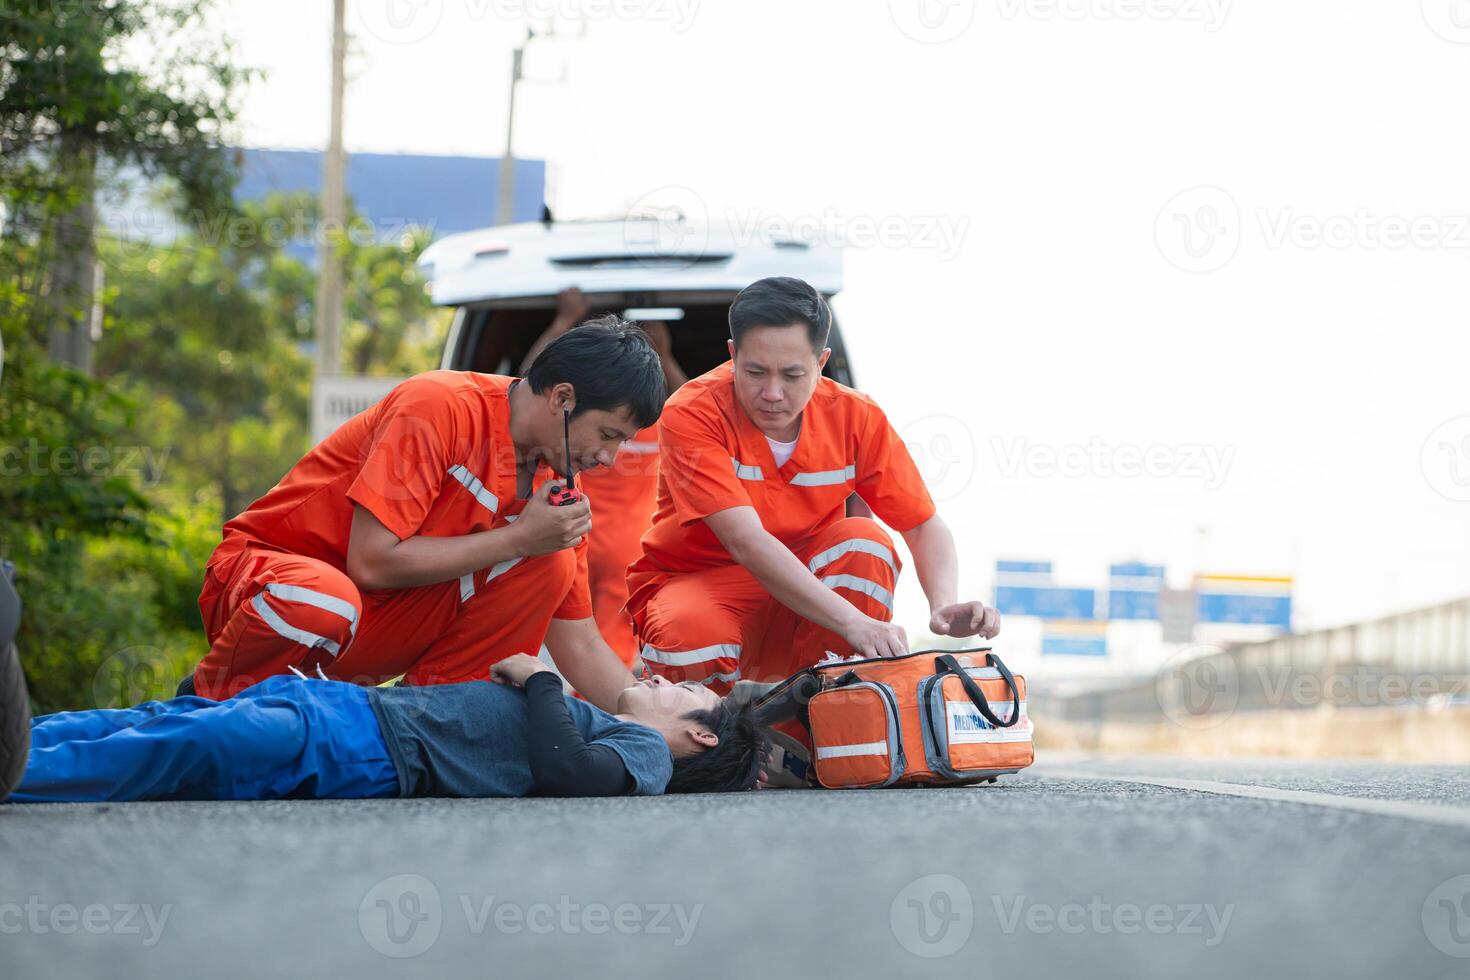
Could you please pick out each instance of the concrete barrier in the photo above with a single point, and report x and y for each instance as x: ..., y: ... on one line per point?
x: 1386, y: 734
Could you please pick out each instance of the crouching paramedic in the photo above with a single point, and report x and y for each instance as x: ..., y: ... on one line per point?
x: 419, y: 538
x: 302, y: 737
x: 751, y: 570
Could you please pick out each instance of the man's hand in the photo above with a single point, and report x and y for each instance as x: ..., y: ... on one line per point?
x: 542, y: 529
x: 875, y: 638
x: 516, y: 668
x: 965, y: 619
x: 571, y: 308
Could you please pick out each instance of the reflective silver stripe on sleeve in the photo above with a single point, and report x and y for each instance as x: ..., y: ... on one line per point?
x: 746, y: 472
x: 472, y: 483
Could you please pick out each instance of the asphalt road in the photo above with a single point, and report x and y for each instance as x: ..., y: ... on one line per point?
x: 1057, y: 873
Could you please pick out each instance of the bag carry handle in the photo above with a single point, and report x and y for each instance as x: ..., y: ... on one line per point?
x: 947, y: 664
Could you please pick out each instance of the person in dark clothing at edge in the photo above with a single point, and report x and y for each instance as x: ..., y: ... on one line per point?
x: 303, y: 737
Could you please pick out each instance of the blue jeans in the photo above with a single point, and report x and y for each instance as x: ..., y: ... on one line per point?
x: 284, y: 737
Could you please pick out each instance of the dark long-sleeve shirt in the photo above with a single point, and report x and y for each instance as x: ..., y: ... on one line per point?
x: 484, y: 739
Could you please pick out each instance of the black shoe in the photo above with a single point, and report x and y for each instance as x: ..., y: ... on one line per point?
x: 186, y: 687
x: 15, y: 703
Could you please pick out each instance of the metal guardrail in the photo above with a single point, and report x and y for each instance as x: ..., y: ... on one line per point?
x: 1409, y: 659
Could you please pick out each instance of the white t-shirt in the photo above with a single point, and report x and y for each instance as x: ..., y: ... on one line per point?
x: 782, y: 450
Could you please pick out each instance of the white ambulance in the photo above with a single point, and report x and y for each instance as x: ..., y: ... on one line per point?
x: 503, y: 284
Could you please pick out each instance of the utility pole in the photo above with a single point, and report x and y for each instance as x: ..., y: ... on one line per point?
x: 505, y: 208
x: 329, y: 305
x: 505, y: 205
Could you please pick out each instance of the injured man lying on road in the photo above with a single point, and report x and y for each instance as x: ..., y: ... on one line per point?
x: 301, y: 737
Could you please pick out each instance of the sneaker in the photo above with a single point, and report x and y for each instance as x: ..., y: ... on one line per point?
x: 15, y: 703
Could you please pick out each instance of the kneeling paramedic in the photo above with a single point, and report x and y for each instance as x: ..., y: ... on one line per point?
x: 299, y: 737
x: 422, y: 538
x: 752, y: 571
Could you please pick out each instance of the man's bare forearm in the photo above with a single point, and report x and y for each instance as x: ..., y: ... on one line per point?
x: 587, y: 662
x: 792, y: 584
x: 936, y: 561
x: 425, y: 560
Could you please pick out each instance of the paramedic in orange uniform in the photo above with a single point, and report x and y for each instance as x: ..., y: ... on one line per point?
x: 418, y: 538
x: 622, y: 495
x: 751, y: 570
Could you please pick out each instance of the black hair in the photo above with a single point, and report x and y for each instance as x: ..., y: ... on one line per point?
x: 734, y: 764
x: 610, y: 365
x: 781, y: 301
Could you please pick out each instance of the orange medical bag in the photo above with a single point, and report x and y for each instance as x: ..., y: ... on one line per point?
x: 924, y: 719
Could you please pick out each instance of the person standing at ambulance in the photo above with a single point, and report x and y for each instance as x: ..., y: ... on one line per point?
x: 751, y: 570
x: 419, y: 538
x: 622, y: 494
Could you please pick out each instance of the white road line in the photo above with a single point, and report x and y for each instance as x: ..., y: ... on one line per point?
x: 1448, y: 816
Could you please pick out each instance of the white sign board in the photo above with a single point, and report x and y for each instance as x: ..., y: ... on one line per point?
x: 336, y: 398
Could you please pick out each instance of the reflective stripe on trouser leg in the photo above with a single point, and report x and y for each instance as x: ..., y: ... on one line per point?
x: 853, y: 546
x: 694, y: 627
x: 855, y: 558
x: 271, y: 610
x: 866, y: 586
x: 279, y: 624
x: 311, y: 597
x: 716, y: 666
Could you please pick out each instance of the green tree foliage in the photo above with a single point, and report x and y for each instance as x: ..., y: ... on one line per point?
x: 91, y: 86
x: 65, y: 493
x: 140, y: 82
x: 199, y: 406
x: 88, y: 89
x: 206, y: 330
x: 114, y: 487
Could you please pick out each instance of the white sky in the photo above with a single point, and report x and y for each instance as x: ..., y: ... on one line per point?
x: 1050, y: 135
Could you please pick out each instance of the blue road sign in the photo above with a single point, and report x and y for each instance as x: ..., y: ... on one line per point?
x: 1259, y: 609
x: 1024, y: 567
x: 1128, y: 604
x: 1133, y: 590
x: 1046, y: 602
x: 1075, y: 639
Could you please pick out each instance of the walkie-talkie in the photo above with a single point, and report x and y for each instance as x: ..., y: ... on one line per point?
x: 561, y: 496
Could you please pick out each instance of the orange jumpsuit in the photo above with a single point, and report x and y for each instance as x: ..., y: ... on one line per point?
x: 703, y: 617
x: 433, y: 458
x: 622, y: 497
